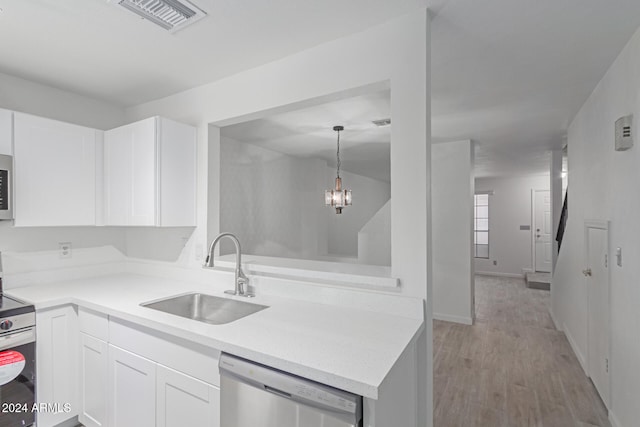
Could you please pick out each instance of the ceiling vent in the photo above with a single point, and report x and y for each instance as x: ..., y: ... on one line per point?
x: 381, y: 122
x: 172, y: 15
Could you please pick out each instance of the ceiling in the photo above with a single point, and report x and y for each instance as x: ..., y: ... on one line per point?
x: 508, y: 74
x: 308, y: 132
x: 94, y: 48
x: 512, y: 74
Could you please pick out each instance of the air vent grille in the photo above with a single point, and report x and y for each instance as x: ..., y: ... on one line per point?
x: 381, y: 122
x: 172, y: 15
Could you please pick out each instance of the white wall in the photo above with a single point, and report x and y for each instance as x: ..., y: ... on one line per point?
x: 452, y: 201
x: 509, y: 207
x: 34, y: 98
x: 374, y: 239
x: 314, y: 75
x: 21, y: 95
x: 273, y: 202
x: 603, y: 184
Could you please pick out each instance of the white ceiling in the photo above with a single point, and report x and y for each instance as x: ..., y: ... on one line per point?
x: 308, y: 132
x: 508, y: 74
x: 512, y: 74
x: 95, y: 48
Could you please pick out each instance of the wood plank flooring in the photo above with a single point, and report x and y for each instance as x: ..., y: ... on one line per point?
x: 512, y: 368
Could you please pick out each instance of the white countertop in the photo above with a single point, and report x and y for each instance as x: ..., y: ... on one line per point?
x: 347, y: 348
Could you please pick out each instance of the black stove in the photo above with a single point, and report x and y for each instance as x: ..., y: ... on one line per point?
x: 10, y: 306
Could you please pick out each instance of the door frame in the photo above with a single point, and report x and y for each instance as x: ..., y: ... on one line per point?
x: 600, y: 225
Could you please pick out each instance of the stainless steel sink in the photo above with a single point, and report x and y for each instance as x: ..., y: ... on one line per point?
x: 205, y: 308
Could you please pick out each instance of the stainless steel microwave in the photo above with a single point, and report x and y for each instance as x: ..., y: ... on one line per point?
x: 6, y: 187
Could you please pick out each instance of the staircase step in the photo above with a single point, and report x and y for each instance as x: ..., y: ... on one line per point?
x: 538, y: 280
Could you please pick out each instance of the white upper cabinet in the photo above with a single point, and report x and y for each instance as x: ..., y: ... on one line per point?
x: 150, y: 174
x: 55, y: 172
x: 6, y: 132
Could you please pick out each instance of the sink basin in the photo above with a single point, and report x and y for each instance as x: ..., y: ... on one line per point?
x: 205, y: 308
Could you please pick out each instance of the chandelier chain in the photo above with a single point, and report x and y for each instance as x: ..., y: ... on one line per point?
x: 338, y: 155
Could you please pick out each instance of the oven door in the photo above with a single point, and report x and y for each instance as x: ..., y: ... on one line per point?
x: 17, y: 378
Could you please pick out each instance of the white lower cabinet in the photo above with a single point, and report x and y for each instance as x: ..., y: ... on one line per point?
x: 57, y: 364
x: 94, y: 365
x: 132, y: 389
x: 185, y: 401
x: 126, y: 387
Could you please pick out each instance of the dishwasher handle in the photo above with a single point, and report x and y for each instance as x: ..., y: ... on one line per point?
x: 276, y: 391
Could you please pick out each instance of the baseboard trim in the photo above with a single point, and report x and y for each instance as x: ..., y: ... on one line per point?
x: 498, y: 274
x: 576, y: 350
x: 455, y: 319
x: 613, y: 420
x: 554, y: 320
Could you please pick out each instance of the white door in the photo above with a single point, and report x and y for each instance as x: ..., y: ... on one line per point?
x: 94, y: 365
x: 597, y: 280
x: 542, y: 235
x: 57, y: 366
x: 55, y: 172
x: 132, y: 389
x: 186, y: 401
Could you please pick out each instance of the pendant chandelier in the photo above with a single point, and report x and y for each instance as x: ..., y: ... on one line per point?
x: 338, y: 198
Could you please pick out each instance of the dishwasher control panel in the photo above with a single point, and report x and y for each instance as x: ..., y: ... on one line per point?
x: 324, y: 397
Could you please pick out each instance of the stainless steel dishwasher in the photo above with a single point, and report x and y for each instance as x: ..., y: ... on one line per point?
x: 254, y: 395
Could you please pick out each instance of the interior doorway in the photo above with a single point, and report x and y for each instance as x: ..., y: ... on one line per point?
x: 597, y: 280
x: 542, y: 231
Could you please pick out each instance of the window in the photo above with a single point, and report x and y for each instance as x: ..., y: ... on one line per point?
x: 481, y: 225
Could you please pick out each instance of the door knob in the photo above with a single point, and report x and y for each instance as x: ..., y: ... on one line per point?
x: 587, y: 272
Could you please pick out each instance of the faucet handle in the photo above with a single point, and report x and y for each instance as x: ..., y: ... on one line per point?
x: 242, y: 291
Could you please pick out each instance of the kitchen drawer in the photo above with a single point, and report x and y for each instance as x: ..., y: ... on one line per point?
x: 191, y: 358
x: 94, y: 323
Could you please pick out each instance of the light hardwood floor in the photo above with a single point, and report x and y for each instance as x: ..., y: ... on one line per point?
x: 512, y: 368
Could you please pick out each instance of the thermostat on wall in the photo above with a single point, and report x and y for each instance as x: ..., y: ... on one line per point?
x: 624, y: 138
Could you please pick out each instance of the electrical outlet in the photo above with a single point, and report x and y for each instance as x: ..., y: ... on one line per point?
x: 65, y: 249
x: 495, y: 262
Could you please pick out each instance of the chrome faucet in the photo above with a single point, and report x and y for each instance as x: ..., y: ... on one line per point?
x: 240, y: 280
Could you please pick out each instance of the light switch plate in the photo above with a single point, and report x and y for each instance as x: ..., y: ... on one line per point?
x: 619, y: 257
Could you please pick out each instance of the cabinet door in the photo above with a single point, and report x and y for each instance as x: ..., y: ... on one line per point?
x: 94, y: 365
x: 132, y: 389
x: 130, y: 174
x: 55, y: 182
x: 56, y: 355
x: 6, y: 132
x: 177, y: 174
x: 186, y: 401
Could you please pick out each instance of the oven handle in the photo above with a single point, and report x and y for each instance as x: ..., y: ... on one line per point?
x: 17, y: 338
